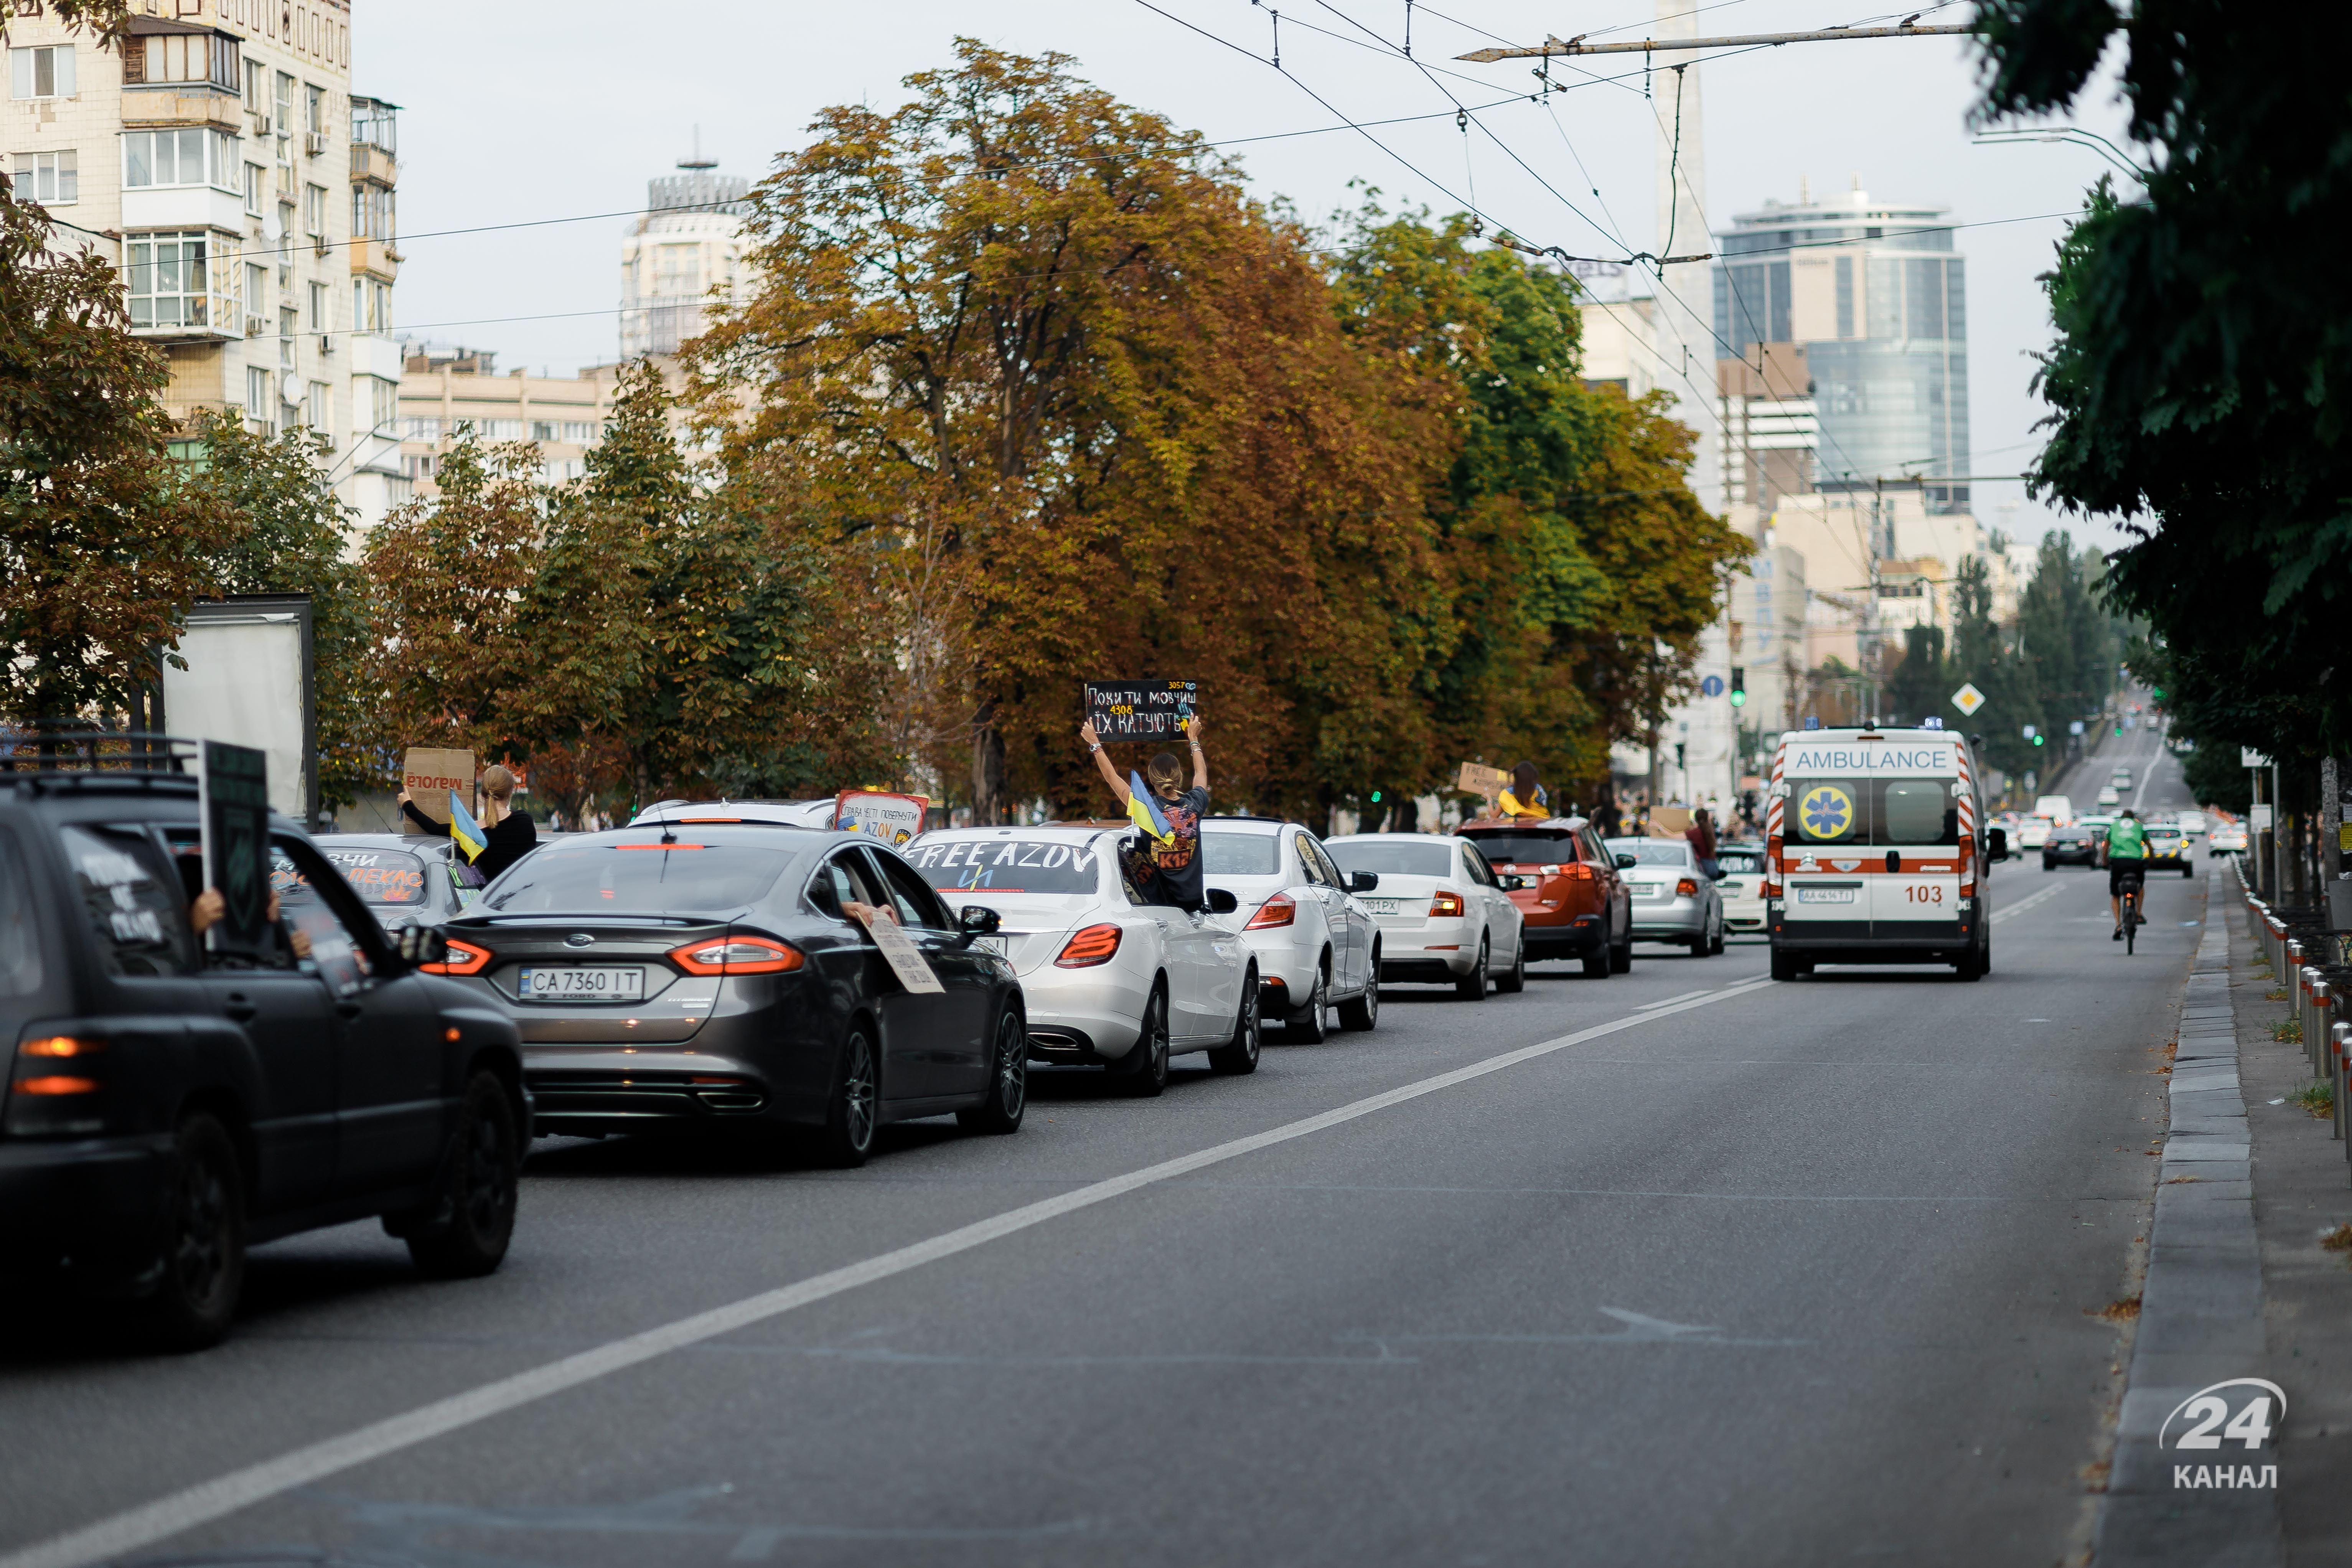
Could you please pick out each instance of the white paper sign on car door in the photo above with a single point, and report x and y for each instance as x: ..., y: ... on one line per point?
x: 906, y: 960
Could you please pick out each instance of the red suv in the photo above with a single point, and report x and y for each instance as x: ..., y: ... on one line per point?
x: 1566, y: 884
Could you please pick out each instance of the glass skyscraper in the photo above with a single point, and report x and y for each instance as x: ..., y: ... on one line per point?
x: 1876, y: 293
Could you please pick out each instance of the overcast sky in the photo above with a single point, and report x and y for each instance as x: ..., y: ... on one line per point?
x: 529, y: 110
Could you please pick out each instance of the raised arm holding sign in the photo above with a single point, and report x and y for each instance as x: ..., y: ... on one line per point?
x: 1165, y: 867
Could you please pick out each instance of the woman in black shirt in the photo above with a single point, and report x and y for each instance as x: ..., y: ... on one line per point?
x: 507, y: 833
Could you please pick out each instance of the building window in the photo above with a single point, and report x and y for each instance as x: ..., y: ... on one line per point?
x: 417, y: 465
x: 500, y: 430
x: 314, y: 111
x: 322, y: 412
x: 184, y: 157
x: 257, y: 294
x: 185, y: 56
x: 381, y: 410
x: 169, y: 282
x: 257, y: 397
x: 314, y: 212
x: 542, y: 430
x: 372, y: 213
x: 44, y: 72
x: 371, y: 306
x: 52, y: 179
x: 580, y: 432
x: 286, y: 320
x: 253, y: 174
x: 318, y: 323
x: 284, y: 105
x: 256, y: 102
x: 421, y: 430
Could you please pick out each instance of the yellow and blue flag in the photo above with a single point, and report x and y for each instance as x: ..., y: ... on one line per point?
x: 465, y: 829
x: 1144, y: 811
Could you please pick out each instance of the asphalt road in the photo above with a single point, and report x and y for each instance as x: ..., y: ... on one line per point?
x: 1768, y: 1274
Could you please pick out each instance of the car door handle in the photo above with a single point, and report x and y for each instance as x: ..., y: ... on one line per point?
x: 239, y: 1010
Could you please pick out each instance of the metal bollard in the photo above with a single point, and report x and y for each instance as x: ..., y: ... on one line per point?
x: 2309, y: 987
x: 2340, y: 1039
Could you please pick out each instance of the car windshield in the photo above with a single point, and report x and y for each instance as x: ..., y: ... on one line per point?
x: 641, y: 877
x: 1652, y: 851
x: 1401, y: 856
x: 1230, y: 854
x: 1522, y: 849
x: 385, y: 877
x: 1738, y: 861
x: 995, y: 865
x: 1879, y: 812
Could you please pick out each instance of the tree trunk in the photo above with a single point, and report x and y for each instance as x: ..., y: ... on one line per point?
x: 987, y: 770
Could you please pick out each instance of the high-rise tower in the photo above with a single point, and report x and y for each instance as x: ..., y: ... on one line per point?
x: 689, y: 242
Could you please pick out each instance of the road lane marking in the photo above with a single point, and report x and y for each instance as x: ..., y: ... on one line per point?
x: 141, y: 1527
x: 2026, y: 903
x: 1668, y: 1002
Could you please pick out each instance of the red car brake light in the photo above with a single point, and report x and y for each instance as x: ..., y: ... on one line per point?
x: 1278, y: 910
x: 1095, y: 945
x: 737, y: 955
x: 1445, y: 904
x: 464, y: 958
x: 1579, y: 872
x: 1685, y: 888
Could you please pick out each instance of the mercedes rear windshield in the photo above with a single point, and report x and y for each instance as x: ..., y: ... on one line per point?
x: 1010, y: 864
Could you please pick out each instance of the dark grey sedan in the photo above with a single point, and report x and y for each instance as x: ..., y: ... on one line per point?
x: 404, y: 878
x: 709, y: 976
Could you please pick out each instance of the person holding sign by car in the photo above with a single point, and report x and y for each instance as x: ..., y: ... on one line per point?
x: 1166, y: 864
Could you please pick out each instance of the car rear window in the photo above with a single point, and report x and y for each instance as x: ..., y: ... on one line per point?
x: 1240, y: 854
x: 653, y: 879
x: 1850, y: 811
x: 1525, y: 848
x: 1653, y: 851
x: 137, y: 909
x: 1009, y: 865
x: 1740, y: 861
x: 1398, y: 857
x: 385, y: 877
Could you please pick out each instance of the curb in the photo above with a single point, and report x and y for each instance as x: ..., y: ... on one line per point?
x: 2201, y: 1308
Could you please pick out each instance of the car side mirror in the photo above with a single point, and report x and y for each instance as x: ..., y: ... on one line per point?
x: 420, y: 945
x: 1627, y: 862
x: 977, y: 919
x: 1363, y: 881
x: 1221, y: 901
x: 1997, y: 844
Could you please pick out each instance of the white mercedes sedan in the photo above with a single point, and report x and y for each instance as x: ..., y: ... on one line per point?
x: 1109, y: 979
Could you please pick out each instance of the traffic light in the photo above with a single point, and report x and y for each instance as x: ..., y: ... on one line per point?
x: 2037, y: 740
x: 1376, y: 797
x: 1738, y: 687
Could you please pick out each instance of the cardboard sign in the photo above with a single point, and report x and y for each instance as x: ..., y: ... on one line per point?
x: 1140, y: 710
x: 233, y: 799
x: 1477, y: 778
x: 1669, y: 821
x: 428, y: 775
x: 892, y: 818
x: 905, y: 959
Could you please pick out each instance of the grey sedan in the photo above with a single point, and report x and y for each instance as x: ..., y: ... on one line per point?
x: 404, y: 878
x: 1674, y: 901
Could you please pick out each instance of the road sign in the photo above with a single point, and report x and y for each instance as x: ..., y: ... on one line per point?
x: 1968, y: 700
x: 2251, y: 759
x: 1711, y: 687
x: 2027, y: 732
x: 2075, y: 728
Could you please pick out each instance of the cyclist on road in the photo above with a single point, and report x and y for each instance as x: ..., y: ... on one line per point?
x: 2126, y: 853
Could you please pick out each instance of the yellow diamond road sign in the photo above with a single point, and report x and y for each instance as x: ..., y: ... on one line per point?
x: 1968, y: 700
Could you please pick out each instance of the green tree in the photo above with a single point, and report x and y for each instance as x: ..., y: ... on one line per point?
x: 102, y: 544
x: 2195, y: 379
x: 1920, y: 684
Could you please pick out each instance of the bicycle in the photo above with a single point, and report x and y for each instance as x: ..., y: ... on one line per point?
x: 2134, y: 883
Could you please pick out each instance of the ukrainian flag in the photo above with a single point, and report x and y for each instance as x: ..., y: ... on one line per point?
x: 1144, y: 811
x: 465, y: 829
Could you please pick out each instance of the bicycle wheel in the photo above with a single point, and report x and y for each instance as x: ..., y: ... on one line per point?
x: 2131, y: 924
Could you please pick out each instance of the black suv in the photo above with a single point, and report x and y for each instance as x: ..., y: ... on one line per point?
x: 165, y: 1110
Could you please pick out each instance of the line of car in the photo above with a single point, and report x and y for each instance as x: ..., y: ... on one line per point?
x: 716, y: 966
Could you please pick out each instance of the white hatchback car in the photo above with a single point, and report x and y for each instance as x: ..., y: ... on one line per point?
x: 2035, y: 832
x: 1107, y: 978
x: 1318, y: 947
x: 1442, y: 913
x: 1742, y: 886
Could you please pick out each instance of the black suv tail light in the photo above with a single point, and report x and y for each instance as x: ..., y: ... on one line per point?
x: 56, y: 1083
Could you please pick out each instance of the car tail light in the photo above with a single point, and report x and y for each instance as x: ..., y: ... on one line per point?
x: 1095, y: 945
x: 53, y: 1074
x: 1685, y: 889
x: 1580, y: 872
x: 464, y: 958
x: 1445, y: 904
x: 1277, y: 911
x: 737, y: 955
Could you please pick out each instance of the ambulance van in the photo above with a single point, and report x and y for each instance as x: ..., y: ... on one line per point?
x: 1877, y: 851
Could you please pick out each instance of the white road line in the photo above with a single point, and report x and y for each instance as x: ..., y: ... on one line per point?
x: 1670, y: 1001
x: 145, y: 1526
x: 1999, y: 915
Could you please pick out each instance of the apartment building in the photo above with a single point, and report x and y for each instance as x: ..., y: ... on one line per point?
x: 445, y: 392
x: 686, y: 244
x: 221, y: 161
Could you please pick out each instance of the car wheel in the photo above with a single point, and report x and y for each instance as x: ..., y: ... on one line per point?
x: 1306, y: 1026
x: 464, y: 1233
x: 1008, y: 1083
x: 854, y: 1106
x: 1514, y: 980
x: 1621, y: 957
x: 1714, y: 948
x: 2048, y: 864
x: 1363, y: 1012
x: 1143, y: 1073
x: 1598, y: 965
x: 1472, y: 987
x: 1785, y: 966
x: 204, y: 1241
x: 1241, y: 1055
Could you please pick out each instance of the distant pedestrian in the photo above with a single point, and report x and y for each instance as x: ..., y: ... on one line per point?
x: 508, y: 833
x: 1526, y: 800
x: 1701, y: 835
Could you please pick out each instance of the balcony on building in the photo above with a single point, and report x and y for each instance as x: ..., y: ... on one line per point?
x: 375, y: 140
x: 177, y: 73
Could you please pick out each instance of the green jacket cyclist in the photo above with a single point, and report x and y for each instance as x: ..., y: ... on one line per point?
x: 2126, y: 849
